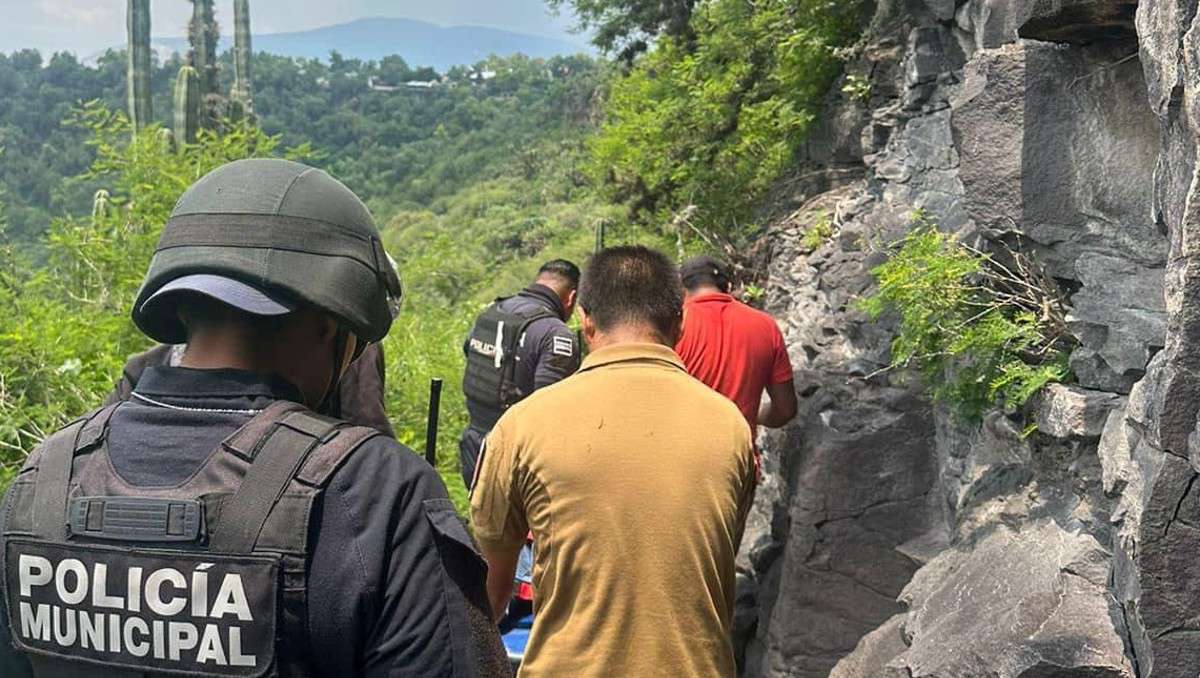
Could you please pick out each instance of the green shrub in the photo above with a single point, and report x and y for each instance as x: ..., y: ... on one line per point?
x: 982, y: 333
x: 713, y: 120
x: 817, y: 233
x: 65, y: 330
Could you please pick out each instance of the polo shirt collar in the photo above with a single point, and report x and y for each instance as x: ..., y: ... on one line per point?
x: 711, y: 296
x: 632, y: 352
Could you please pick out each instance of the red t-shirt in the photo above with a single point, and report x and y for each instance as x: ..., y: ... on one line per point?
x: 735, y: 349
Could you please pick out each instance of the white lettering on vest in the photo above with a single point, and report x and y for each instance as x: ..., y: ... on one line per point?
x: 91, y: 631
x: 154, y: 598
x: 33, y: 571
x: 35, y: 624
x: 180, y: 636
x: 74, y: 596
x: 200, y: 590
x: 236, y: 658
x: 210, y: 647
x: 231, y: 599
x: 137, y: 648
x: 134, y: 589
x: 64, y: 626
x: 100, y: 597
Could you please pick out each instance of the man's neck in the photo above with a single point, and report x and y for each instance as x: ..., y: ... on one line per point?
x: 227, y: 349
x: 627, y: 334
x: 703, y: 290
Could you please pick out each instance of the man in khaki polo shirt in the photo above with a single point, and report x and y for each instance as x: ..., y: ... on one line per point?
x: 635, y: 480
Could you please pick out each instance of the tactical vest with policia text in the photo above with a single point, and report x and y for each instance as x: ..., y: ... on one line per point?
x: 492, y: 355
x: 208, y: 578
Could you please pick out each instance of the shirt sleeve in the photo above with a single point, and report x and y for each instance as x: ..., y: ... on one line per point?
x: 497, y: 512
x: 407, y: 575
x: 781, y: 369
x: 558, y: 356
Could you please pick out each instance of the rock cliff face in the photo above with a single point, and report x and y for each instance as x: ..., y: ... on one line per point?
x: 889, y: 538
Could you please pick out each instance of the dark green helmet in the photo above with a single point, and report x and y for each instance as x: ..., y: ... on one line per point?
x: 288, y: 230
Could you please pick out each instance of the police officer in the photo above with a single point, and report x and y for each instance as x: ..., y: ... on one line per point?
x: 214, y: 525
x: 517, y: 345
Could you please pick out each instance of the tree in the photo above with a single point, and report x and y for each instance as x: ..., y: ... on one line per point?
x: 626, y: 27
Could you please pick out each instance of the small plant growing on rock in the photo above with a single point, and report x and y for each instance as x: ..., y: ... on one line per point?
x: 984, y: 330
x: 816, y: 234
x: 857, y: 87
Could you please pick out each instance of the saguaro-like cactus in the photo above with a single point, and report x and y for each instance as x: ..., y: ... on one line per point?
x: 202, y: 35
x: 137, y: 72
x: 187, y: 106
x: 241, y: 55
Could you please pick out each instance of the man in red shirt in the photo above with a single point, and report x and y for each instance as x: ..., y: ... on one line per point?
x: 736, y: 350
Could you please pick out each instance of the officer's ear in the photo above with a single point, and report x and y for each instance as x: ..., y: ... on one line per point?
x: 587, y: 326
x: 572, y: 296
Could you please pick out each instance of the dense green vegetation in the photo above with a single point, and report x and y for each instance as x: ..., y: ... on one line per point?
x: 712, y: 116
x: 982, y: 330
x: 398, y: 149
x: 476, y: 178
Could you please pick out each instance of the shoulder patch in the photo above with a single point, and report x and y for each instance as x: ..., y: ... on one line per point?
x: 563, y: 346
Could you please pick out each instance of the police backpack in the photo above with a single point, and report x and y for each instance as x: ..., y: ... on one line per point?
x: 490, y: 378
x: 206, y: 579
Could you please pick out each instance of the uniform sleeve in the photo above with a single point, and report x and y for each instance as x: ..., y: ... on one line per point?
x: 12, y: 663
x: 398, y: 565
x: 497, y: 512
x: 436, y: 619
x: 781, y: 369
x: 558, y: 356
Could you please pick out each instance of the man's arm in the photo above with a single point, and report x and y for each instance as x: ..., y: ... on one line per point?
x: 498, y: 515
x: 396, y: 582
x: 558, y: 356
x: 781, y: 389
x: 782, y: 406
x: 502, y: 573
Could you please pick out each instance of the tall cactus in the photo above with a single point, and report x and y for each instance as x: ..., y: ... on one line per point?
x: 241, y: 55
x: 202, y: 35
x: 187, y: 106
x: 137, y: 72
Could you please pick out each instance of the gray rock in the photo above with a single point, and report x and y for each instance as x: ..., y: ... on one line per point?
x: 1081, y: 22
x: 1017, y: 603
x: 1071, y: 412
x: 872, y: 654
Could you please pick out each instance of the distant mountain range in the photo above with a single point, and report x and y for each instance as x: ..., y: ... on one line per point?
x: 419, y: 42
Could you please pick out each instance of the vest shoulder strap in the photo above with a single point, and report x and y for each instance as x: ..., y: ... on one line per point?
x: 292, y: 443
x: 53, y: 480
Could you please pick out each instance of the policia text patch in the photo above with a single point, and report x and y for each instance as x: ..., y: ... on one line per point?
x: 174, y: 612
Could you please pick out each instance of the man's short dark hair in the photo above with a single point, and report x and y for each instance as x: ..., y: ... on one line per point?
x: 632, y: 285
x: 704, y: 272
x: 563, y: 269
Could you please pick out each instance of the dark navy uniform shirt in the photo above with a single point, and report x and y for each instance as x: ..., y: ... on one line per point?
x: 548, y: 354
x: 382, y: 601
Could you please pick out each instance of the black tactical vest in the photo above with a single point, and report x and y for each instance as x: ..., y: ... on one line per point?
x: 205, y: 579
x: 489, y: 381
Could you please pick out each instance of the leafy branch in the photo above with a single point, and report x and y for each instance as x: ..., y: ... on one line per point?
x: 984, y: 329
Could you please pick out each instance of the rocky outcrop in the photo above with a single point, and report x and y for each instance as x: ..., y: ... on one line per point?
x: 892, y: 538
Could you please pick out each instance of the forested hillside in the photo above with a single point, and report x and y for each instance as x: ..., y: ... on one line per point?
x: 476, y: 176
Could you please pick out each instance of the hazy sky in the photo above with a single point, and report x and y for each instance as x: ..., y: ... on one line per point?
x: 88, y: 26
